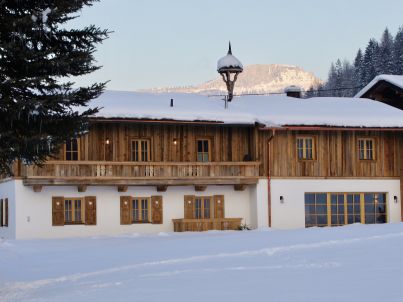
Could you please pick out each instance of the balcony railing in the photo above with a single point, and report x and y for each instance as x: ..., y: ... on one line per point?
x: 199, y: 225
x: 101, y: 171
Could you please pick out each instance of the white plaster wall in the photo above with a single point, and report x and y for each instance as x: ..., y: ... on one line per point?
x: 34, y: 210
x: 259, y: 205
x: 7, y: 190
x: 291, y: 213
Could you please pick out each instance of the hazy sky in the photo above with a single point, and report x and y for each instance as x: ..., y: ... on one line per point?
x: 178, y: 42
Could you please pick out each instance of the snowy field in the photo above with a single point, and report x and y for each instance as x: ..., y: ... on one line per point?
x: 352, y: 263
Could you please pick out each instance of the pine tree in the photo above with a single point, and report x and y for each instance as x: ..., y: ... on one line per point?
x: 347, y: 80
x: 398, y: 52
x: 370, y: 61
x: 384, y: 63
x: 39, y: 109
x: 358, y: 70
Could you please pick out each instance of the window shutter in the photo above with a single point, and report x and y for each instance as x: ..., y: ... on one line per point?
x: 125, y: 210
x: 156, y: 210
x: 57, y: 211
x: 90, y: 210
x: 219, y: 208
x: 189, y: 201
x: 6, y: 214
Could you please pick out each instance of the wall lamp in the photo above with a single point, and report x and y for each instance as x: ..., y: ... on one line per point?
x: 395, y: 199
x: 281, y: 199
x: 107, y: 141
x: 175, y: 141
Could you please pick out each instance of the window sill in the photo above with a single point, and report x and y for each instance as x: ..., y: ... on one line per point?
x: 140, y: 222
x: 74, y: 223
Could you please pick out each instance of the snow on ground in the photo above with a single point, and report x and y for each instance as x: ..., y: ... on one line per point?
x: 352, y: 263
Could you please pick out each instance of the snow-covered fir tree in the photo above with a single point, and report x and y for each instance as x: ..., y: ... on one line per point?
x: 384, y: 60
x: 39, y: 109
x: 398, y: 52
x: 385, y: 57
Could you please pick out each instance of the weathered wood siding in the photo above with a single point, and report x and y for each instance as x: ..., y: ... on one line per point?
x: 336, y: 154
x: 336, y: 151
x: 227, y: 143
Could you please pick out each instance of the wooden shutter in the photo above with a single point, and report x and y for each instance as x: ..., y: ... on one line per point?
x: 189, y: 201
x: 57, y: 211
x: 6, y: 214
x: 219, y: 208
x: 125, y: 210
x: 156, y: 210
x: 90, y: 210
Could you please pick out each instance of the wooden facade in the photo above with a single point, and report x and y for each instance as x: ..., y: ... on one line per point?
x: 238, y: 155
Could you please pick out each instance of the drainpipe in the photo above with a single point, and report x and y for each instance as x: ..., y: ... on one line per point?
x: 269, y: 174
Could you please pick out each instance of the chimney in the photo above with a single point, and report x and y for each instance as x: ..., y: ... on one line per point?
x: 172, y: 102
x: 293, y: 91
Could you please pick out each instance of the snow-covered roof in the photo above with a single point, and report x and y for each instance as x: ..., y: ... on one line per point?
x: 229, y: 61
x: 292, y: 88
x: 396, y: 80
x: 272, y: 111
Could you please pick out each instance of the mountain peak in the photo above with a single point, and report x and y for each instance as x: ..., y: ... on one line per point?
x: 256, y: 78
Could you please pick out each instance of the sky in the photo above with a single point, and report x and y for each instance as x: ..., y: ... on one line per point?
x: 158, y: 43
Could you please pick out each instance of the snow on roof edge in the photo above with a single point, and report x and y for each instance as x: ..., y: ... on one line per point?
x: 396, y: 80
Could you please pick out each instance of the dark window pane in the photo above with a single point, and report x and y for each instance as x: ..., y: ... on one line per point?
x: 350, y: 209
x: 369, y: 209
x: 333, y: 209
x: 341, y: 209
x: 322, y: 219
x: 357, y: 209
x: 309, y: 198
x: 309, y: 209
x: 369, y: 219
x: 357, y: 218
x: 321, y: 199
x: 205, y: 146
x: 75, y: 144
x: 75, y: 155
x: 350, y: 219
x: 199, y: 146
x: 68, y: 155
x: 321, y: 209
x: 380, y: 218
x: 334, y: 219
x: 310, y: 220
x: 333, y: 199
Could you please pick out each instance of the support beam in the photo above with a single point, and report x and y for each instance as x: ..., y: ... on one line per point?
x: 81, y: 188
x: 122, y: 188
x: 200, y: 188
x: 239, y: 187
x: 162, y: 188
x: 37, y: 188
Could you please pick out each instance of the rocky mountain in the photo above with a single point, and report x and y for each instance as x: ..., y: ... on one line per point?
x: 259, y: 78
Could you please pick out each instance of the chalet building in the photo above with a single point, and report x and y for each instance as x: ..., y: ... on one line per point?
x: 161, y: 163
x: 385, y: 88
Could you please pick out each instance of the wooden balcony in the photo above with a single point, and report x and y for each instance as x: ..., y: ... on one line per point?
x: 200, y: 225
x: 144, y: 173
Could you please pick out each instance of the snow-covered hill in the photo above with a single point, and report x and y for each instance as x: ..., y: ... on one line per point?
x: 259, y: 78
x: 352, y: 263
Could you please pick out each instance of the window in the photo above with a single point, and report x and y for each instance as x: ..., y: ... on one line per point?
x: 73, y: 211
x: 202, y: 207
x: 141, y: 210
x: 315, y: 209
x: 71, y: 149
x: 366, y: 149
x: 141, y: 150
x: 305, y: 148
x: 336, y: 209
x: 375, y: 208
x: 4, y: 212
x: 203, y: 150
